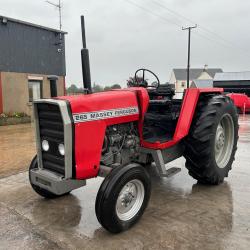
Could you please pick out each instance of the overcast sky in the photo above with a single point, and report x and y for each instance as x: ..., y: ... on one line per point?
x: 122, y: 37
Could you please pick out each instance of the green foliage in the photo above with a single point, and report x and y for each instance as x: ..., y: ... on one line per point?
x: 14, y: 114
x: 3, y: 115
x: 131, y: 82
x: 73, y: 89
x: 116, y: 86
x: 97, y: 88
x: 107, y: 88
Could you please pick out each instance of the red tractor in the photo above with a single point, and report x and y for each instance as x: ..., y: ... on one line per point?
x: 115, y: 134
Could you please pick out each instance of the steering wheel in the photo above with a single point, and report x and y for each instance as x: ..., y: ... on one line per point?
x: 143, y: 82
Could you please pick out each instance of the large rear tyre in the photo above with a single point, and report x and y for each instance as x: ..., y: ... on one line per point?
x: 212, y: 141
x: 123, y: 197
x: 42, y: 192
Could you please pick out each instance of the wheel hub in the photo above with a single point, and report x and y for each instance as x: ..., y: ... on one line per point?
x: 130, y: 200
x: 128, y: 195
x: 224, y: 140
x: 220, y: 138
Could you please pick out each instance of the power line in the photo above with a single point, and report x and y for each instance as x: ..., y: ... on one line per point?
x: 178, y: 25
x: 152, y: 13
x: 200, y: 26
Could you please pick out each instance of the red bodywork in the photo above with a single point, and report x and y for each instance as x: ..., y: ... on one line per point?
x: 241, y: 101
x: 89, y: 135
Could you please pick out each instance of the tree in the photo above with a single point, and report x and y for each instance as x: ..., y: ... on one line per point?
x: 116, y: 86
x: 107, y: 88
x: 97, y: 88
x: 72, y: 89
x: 132, y: 82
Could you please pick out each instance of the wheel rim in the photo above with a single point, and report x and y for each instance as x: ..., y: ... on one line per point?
x: 130, y: 200
x: 224, y: 141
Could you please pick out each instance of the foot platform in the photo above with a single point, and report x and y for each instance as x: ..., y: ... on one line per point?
x: 171, y: 171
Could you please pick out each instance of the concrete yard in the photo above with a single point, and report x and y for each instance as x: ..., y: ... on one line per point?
x: 181, y: 214
x: 17, y: 147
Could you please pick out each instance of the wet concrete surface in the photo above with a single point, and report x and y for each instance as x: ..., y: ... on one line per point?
x: 181, y: 214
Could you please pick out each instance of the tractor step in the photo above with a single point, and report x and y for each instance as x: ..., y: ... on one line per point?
x: 171, y: 171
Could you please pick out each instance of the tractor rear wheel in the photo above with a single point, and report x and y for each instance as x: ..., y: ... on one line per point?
x: 123, y: 197
x: 212, y: 141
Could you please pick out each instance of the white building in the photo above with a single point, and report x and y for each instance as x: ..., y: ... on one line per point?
x: 179, y: 76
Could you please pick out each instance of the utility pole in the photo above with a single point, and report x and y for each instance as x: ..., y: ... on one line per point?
x: 59, y: 6
x: 189, y: 39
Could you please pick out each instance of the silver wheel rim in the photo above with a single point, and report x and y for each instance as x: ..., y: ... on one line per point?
x: 130, y: 200
x: 224, y: 141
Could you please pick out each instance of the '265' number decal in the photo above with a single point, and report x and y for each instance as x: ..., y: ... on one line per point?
x: 104, y: 114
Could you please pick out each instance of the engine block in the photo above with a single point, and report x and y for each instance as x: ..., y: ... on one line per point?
x: 121, y: 145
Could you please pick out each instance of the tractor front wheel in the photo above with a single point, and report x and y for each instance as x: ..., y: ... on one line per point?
x: 123, y: 197
x: 212, y: 141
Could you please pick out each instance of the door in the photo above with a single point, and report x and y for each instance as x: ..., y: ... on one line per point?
x: 35, y: 90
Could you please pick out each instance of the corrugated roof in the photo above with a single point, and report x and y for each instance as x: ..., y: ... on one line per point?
x: 201, y: 83
x: 232, y: 76
x: 31, y: 24
x: 181, y: 74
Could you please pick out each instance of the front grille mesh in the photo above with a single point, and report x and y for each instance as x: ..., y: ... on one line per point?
x: 51, y: 129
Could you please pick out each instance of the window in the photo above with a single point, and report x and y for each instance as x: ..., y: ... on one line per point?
x: 183, y: 84
x: 35, y: 90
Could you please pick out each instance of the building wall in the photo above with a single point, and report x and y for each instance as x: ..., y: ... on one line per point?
x: 26, y: 48
x: 178, y: 85
x: 204, y: 76
x: 172, y: 79
x: 181, y: 85
x: 15, y: 91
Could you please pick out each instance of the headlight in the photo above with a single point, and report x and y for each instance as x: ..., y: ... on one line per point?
x: 45, y: 145
x: 61, y: 149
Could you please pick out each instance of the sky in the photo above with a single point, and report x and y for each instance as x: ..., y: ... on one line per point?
x: 124, y: 35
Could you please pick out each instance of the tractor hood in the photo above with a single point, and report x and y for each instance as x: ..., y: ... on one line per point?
x: 101, y: 101
x: 104, y: 105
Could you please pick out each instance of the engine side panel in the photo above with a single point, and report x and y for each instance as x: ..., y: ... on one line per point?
x: 92, y: 114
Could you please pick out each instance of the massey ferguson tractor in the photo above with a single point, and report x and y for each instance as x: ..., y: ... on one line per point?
x: 116, y: 134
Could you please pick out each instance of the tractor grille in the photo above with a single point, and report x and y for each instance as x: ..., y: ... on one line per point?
x: 51, y: 129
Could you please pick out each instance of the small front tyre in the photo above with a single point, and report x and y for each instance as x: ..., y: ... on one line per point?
x: 123, y: 197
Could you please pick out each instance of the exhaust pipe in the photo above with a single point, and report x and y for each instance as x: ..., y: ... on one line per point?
x: 85, y: 61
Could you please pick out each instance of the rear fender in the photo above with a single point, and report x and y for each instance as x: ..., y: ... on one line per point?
x: 187, y: 112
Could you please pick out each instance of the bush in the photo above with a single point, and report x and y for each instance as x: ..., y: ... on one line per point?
x: 3, y: 115
x: 15, y: 114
